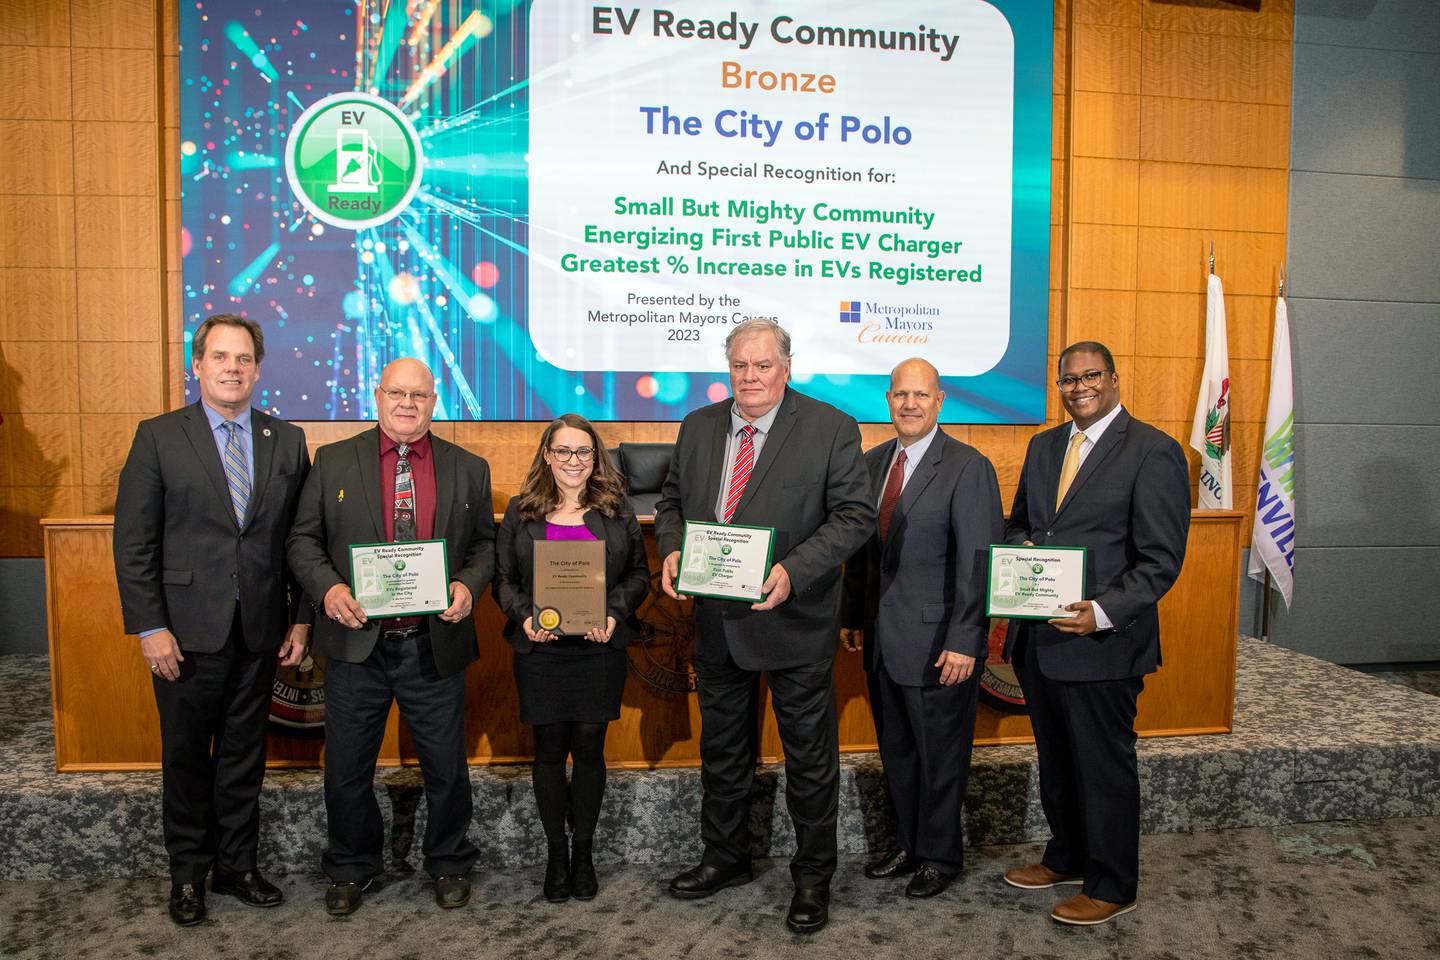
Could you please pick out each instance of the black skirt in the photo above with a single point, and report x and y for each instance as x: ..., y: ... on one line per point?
x: 557, y: 686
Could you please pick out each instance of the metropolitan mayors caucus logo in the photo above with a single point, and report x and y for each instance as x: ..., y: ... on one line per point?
x: 354, y: 160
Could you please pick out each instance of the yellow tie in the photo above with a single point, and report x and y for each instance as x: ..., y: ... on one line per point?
x: 1069, y: 468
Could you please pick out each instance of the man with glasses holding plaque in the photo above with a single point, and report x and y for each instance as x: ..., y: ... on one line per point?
x: 1120, y: 489
x: 774, y: 460
x: 395, y: 538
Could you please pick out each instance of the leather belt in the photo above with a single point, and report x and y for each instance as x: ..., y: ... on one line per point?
x: 404, y: 633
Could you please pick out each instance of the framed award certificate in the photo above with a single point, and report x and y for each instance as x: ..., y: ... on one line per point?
x: 406, y: 579
x: 569, y: 584
x: 1034, y: 583
x: 725, y: 561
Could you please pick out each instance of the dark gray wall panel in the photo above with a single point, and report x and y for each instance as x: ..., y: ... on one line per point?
x: 1359, y: 361
x: 1363, y: 238
x: 22, y: 606
x: 1366, y: 111
x: 1341, y: 597
x: 1367, y: 485
x: 1384, y: 24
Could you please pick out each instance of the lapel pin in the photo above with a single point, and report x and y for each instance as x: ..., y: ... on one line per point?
x: 266, y: 431
x: 340, y: 497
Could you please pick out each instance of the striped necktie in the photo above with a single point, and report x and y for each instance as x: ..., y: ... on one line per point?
x: 404, y: 496
x: 744, y: 463
x: 237, y: 473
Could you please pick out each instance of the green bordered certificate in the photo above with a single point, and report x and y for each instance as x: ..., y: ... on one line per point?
x: 406, y: 579
x: 1034, y: 583
x: 725, y: 560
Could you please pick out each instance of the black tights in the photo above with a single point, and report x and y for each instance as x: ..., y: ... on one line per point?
x: 553, y: 743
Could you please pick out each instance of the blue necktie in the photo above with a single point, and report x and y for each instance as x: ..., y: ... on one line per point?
x: 237, y: 474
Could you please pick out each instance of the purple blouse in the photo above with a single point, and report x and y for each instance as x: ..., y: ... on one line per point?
x: 560, y: 531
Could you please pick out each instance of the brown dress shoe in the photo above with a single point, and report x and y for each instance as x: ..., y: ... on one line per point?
x: 1037, y: 876
x: 1083, y: 911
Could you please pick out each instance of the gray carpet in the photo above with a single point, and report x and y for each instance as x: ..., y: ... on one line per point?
x: 1318, y: 890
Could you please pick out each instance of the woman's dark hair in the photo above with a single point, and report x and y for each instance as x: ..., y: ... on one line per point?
x: 604, y: 490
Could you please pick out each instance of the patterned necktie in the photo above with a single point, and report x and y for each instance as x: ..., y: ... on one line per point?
x: 1069, y: 468
x: 404, y: 496
x: 893, y: 485
x: 744, y: 463
x: 237, y: 474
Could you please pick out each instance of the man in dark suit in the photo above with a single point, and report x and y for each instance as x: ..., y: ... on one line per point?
x: 395, y: 483
x: 773, y: 458
x: 204, y: 503
x: 915, y: 598
x: 1121, y: 489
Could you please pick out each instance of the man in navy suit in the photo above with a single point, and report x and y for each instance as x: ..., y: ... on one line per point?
x: 915, y: 596
x: 204, y: 503
x: 1121, y: 489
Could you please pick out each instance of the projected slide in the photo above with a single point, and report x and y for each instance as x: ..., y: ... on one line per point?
x: 566, y: 206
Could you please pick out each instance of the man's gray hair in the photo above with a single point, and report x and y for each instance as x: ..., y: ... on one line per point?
x: 760, y: 325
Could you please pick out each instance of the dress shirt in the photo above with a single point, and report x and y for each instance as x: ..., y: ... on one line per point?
x: 913, y: 455
x: 1093, y: 433
x: 762, y: 425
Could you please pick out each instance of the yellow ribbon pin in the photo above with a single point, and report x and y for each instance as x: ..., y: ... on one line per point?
x: 340, y: 497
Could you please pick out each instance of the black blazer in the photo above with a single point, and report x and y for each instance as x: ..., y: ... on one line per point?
x: 923, y: 591
x: 810, y: 484
x: 180, y: 557
x: 627, y: 575
x: 340, y: 505
x: 1130, y: 507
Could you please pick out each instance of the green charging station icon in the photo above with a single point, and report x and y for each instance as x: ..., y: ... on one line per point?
x: 354, y: 160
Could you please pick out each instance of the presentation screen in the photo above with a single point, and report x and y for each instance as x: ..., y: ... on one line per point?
x: 564, y: 206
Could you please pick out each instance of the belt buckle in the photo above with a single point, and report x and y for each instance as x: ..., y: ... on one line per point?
x: 401, y: 633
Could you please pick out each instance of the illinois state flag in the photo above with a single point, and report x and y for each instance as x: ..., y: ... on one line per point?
x: 1272, y: 542
x: 1210, y: 431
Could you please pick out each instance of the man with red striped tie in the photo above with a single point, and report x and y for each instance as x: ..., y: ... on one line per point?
x: 769, y: 457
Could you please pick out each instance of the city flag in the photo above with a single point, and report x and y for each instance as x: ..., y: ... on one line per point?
x: 1210, y: 432
x: 1272, y: 542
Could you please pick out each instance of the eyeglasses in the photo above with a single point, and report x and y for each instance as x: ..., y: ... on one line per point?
x: 564, y: 454
x: 397, y: 396
x: 1090, y: 378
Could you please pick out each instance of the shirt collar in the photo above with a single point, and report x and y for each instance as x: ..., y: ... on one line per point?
x: 1096, y: 430
x: 215, y: 418
x: 420, y: 448
x: 762, y: 424
x: 916, y: 450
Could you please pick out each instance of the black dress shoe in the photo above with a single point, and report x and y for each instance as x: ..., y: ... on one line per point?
x: 452, y: 890
x: 342, y: 898
x: 705, y: 879
x: 927, y: 882
x: 809, y: 909
x: 187, y: 903
x: 248, y: 887
x: 896, y: 863
x: 557, y: 872
x: 584, y: 885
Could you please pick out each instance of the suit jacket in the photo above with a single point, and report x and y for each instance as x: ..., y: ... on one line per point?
x: 340, y: 505
x: 809, y: 483
x: 923, y: 590
x: 1129, y: 506
x: 181, y: 559
x: 627, y: 574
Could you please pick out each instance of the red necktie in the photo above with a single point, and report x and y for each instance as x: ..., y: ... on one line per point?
x: 891, y: 497
x: 744, y: 462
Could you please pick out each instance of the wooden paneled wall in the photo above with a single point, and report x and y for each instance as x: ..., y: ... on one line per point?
x: 1172, y: 131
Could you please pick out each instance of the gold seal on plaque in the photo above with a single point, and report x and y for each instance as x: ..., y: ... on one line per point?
x: 549, y: 618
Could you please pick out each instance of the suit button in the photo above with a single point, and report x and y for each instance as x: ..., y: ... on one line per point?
x: 1049, y: 533
x: 233, y: 575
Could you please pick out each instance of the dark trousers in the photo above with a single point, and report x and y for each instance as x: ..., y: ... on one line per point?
x: 804, y: 702
x: 212, y: 757
x: 1089, y: 780
x: 357, y: 701
x: 926, y: 736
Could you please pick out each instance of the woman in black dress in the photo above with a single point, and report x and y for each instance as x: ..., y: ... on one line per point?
x: 570, y: 686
